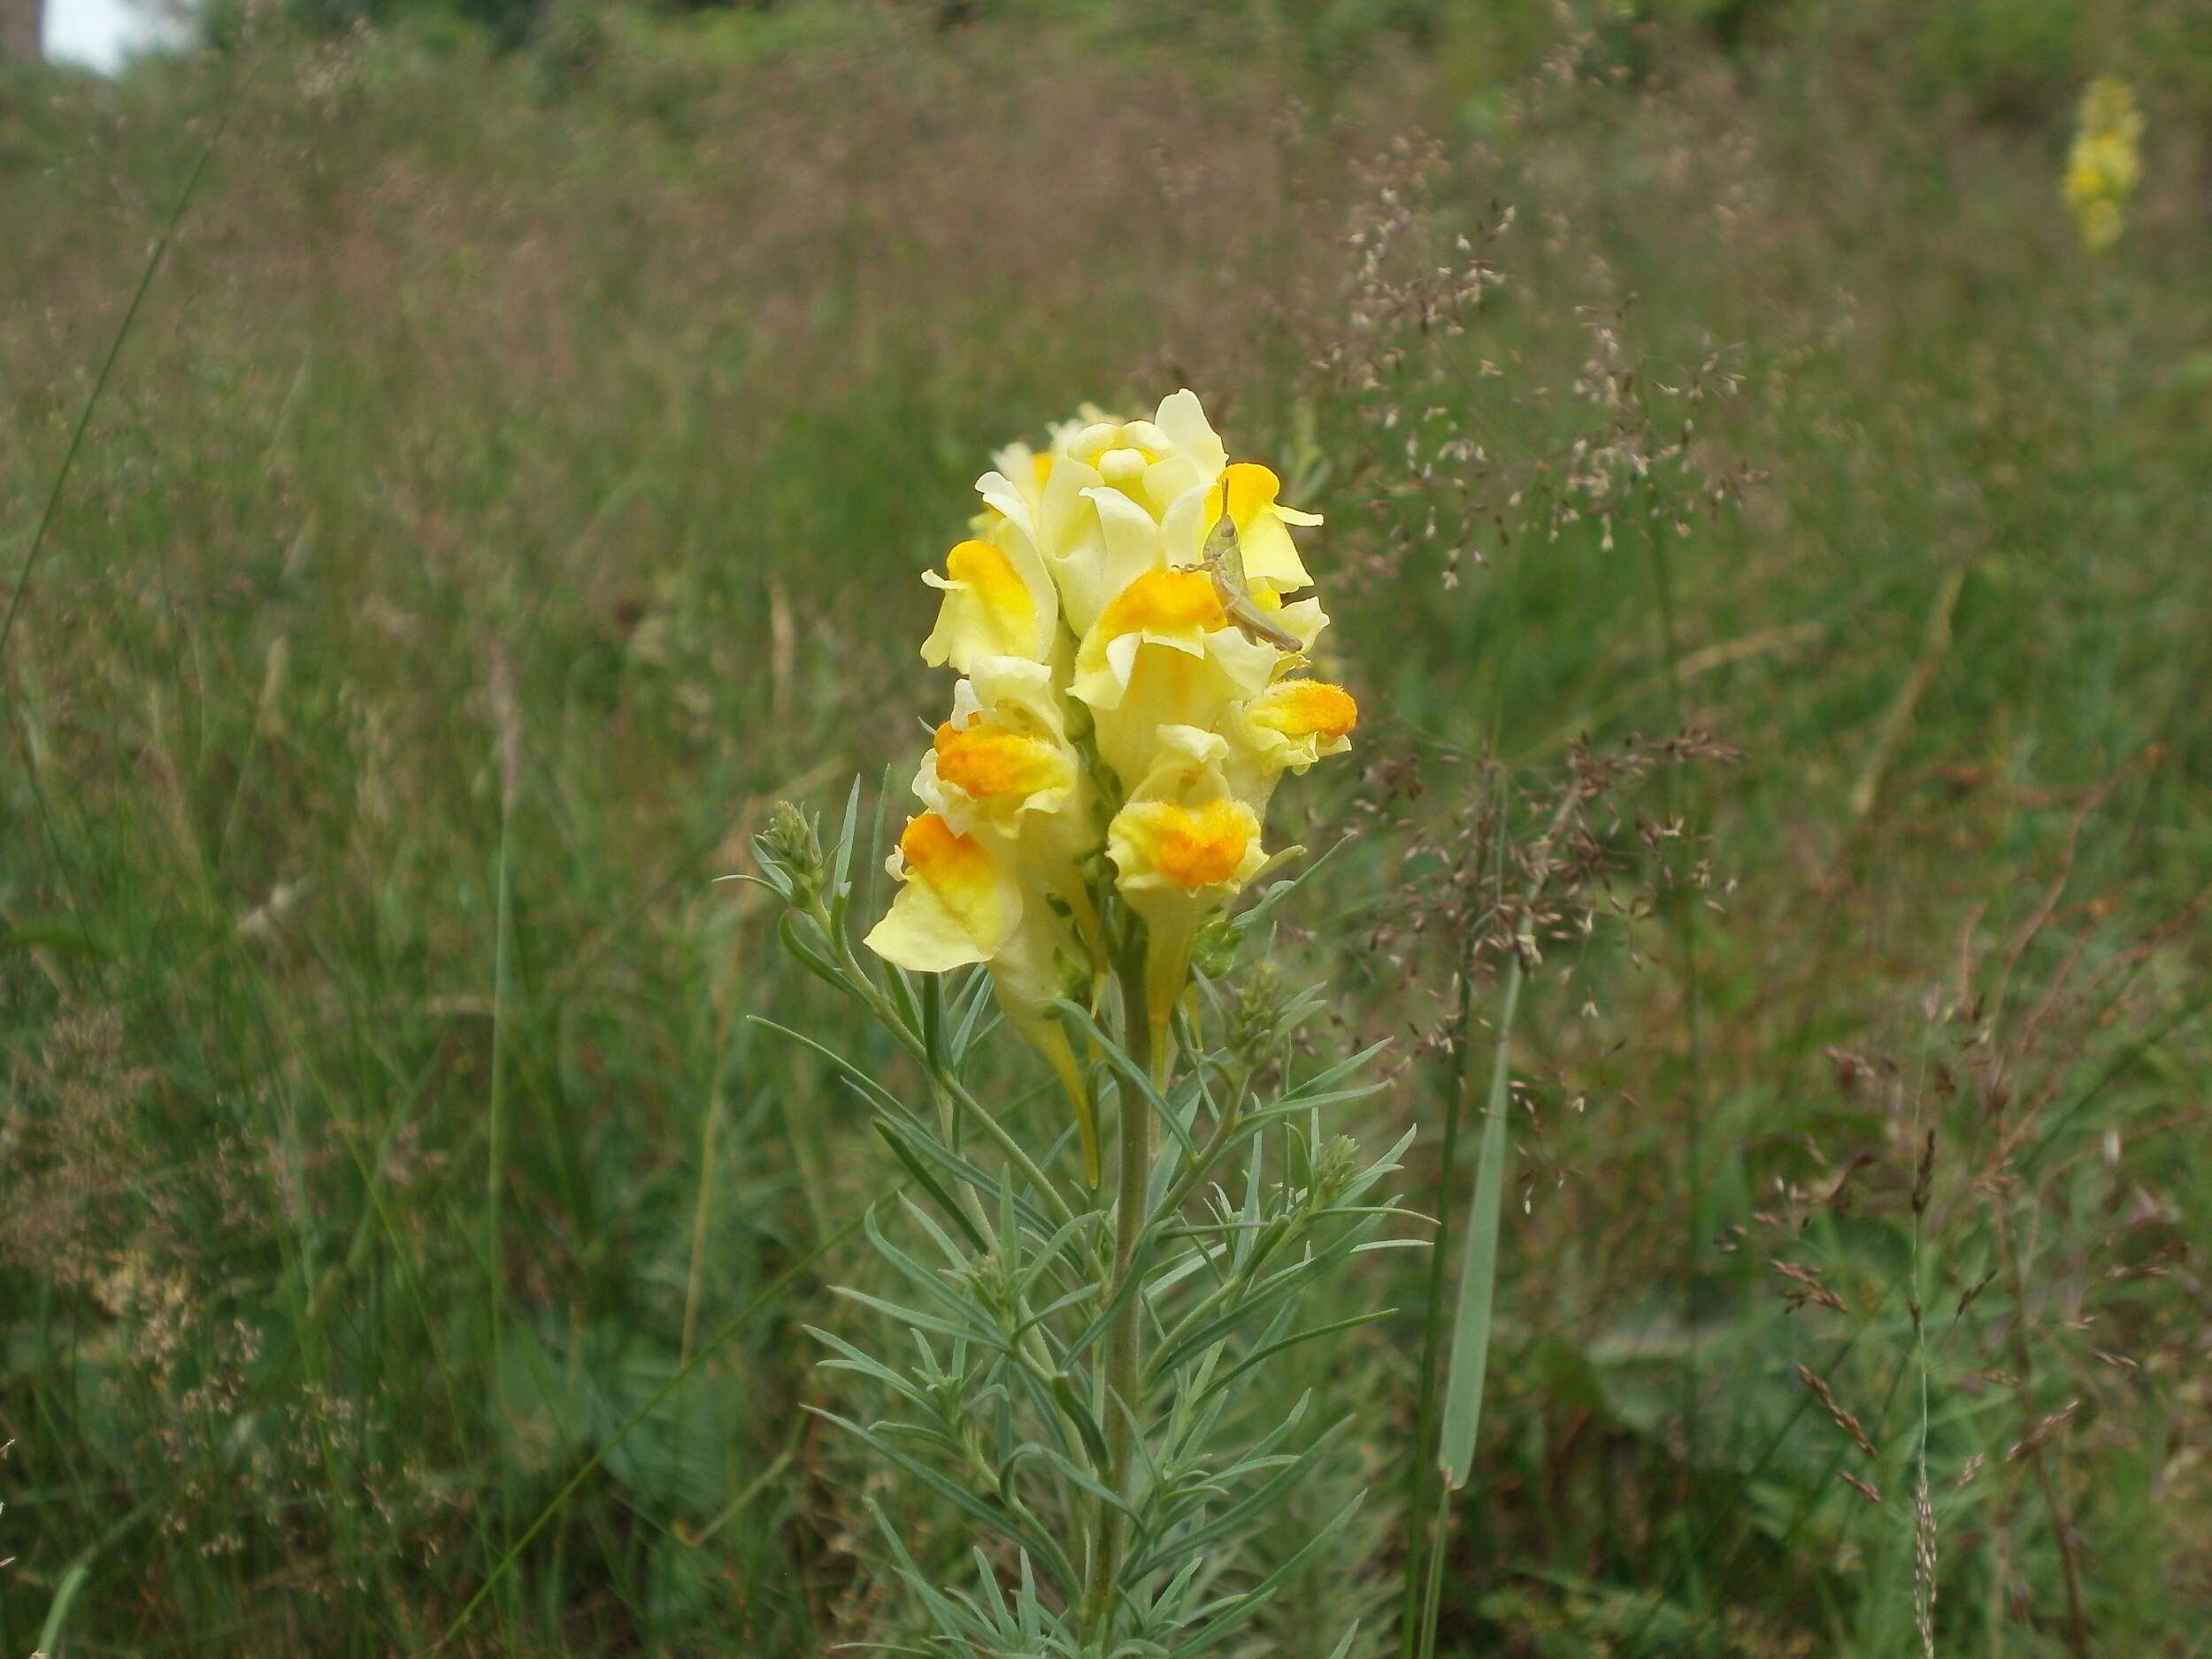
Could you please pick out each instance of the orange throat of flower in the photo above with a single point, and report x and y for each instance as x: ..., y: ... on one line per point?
x: 1164, y: 601
x: 1202, y: 848
x: 988, y: 762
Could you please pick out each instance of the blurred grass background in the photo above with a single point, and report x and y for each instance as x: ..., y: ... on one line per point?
x: 519, y: 475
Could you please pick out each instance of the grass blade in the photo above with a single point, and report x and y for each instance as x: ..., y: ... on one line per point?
x: 1478, y: 1270
x: 1470, y: 1323
x: 107, y: 363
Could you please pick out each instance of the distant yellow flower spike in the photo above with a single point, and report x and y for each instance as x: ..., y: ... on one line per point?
x: 2106, y: 163
x: 2101, y: 223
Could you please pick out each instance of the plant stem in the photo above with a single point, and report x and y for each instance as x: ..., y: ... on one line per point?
x: 1203, y: 1166
x: 1123, y: 1349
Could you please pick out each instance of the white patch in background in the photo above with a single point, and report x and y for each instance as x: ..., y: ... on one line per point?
x: 102, y: 33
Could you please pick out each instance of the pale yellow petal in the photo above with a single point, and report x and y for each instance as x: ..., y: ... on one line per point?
x: 1168, y: 608
x: 955, y: 905
x: 1184, y: 420
x: 921, y: 932
x: 999, y: 600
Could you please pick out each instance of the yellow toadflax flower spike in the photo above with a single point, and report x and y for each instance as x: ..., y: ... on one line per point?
x: 1132, y: 660
x: 2105, y: 162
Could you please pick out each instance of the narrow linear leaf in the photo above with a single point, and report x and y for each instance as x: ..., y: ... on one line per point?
x: 870, y: 1090
x: 929, y: 1147
x: 1133, y: 1074
x: 930, y: 1184
x: 841, y: 861
x: 1479, y: 1270
x: 919, y: 1320
x: 1225, y: 1619
x: 995, y: 1517
x: 1253, y: 1504
x: 1269, y: 1350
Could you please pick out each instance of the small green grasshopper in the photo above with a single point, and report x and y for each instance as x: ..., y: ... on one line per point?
x: 1225, y: 562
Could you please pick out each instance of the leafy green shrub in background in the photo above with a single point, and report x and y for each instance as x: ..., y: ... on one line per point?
x: 2009, y: 59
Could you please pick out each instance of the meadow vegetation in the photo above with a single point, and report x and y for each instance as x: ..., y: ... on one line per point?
x: 1769, y: 549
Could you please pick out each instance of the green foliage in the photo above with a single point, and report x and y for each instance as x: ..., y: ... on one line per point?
x: 2017, y: 58
x: 650, y: 373
x: 1021, y: 1279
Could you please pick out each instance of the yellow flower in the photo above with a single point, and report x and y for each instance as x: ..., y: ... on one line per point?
x: 1094, y: 504
x: 1182, y: 847
x: 959, y: 903
x: 1307, y: 712
x: 1003, y: 760
x: 1002, y: 767
x: 1105, y: 643
x: 1176, y: 609
x: 1296, y: 722
x: 999, y: 601
x: 1185, y: 850
x: 1153, y: 463
x: 1014, y: 493
x: 1288, y: 727
x: 2106, y: 163
x: 1163, y: 654
x: 1271, y: 565
x: 999, y: 769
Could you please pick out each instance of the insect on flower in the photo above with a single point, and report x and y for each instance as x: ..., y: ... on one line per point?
x: 1225, y: 562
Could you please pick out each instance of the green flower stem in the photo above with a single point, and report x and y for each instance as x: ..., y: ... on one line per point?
x: 1209, y: 1156
x: 1124, y: 1341
x: 879, y: 1005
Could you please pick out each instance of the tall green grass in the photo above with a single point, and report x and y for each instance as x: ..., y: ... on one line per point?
x: 517, y: 474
